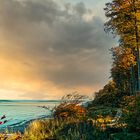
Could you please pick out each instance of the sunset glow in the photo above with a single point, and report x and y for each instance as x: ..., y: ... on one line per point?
x: 50, y: 48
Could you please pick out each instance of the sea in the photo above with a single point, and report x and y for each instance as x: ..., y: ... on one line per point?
x: 15, y: 115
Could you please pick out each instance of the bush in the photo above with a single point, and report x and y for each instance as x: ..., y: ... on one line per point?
x: 132, y: 113
x: 70, y: 107
x: 69, y: 110
x: 101, y: 110
x: 108, y: 96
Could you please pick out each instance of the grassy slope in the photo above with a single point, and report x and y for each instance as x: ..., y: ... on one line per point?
x: 97, y: 124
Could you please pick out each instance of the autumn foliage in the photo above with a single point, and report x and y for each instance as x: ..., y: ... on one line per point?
x: 69, y: 110
x: 70, y: 107
x: 124, y: 22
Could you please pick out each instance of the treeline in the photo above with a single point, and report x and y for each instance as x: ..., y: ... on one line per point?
x: 124, y: 22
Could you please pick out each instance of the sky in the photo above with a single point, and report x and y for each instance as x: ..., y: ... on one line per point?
x: 49, y: 48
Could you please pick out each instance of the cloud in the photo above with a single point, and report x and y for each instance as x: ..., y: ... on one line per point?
x: 63, y: 45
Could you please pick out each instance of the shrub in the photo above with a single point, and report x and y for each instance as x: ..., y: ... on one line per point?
x: 132, y: 113
x: 69, y: 110
x: 108, y: 96
x: 70, y: 107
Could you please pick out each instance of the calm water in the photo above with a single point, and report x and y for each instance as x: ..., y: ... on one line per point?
x: 19, y: 112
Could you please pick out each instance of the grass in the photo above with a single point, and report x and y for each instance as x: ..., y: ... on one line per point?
x: 94, y: 124
x: 72, y: 129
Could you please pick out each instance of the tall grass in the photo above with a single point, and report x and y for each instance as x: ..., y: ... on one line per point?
x: 73, y: 122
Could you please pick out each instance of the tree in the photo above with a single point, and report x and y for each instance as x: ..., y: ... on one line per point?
x: 124, y: 21
x: 123, y: 60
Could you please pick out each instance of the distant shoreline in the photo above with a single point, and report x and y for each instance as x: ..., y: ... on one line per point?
x: 29, y: 100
